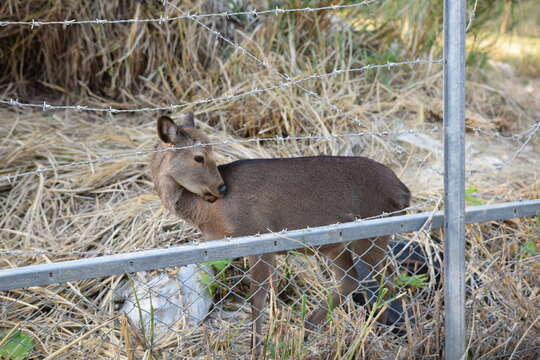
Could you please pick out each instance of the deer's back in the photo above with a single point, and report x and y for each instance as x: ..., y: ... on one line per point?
x: 293, y: 193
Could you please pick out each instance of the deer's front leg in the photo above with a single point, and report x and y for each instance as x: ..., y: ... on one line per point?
x: 261, y: 273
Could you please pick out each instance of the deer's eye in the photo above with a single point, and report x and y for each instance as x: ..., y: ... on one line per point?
x: 199, y: 159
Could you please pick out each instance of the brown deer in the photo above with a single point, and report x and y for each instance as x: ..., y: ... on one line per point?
x: 248, y: 197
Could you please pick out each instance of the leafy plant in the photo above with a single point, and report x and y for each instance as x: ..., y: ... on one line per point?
x: 281, y: 350
x: 470, y: 199
x: 380, y: 304
x: 529, y: 247
x: 416, y: 281
x: 17, y: 347
x: 330, y: 313
x: 147, y: 334
x: 303, y: 308
x: 219, y: 265
x: 210, y: 283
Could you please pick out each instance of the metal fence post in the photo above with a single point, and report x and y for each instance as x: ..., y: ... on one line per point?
x: 454, y: 178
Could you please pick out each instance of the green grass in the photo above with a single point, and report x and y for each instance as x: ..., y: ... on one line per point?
x: 15, y: 346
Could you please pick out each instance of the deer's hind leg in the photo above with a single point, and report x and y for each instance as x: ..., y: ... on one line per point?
x: 342, y: 268
x: 374, y: 252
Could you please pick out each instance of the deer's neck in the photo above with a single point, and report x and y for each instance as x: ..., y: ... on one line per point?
x: 207, y: 217
x: 192, y: 208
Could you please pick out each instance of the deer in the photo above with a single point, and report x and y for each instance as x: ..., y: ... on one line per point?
x: 253, y: 196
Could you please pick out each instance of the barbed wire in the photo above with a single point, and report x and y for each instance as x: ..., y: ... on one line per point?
x: 529, y: 133
x: 517, y: 136
x: 48, y: 107
x: 472, y: 16
x: 286, y: 76
x: 276, y: 11
x: 532, y: 133
x: 263, y: 63
x: 10, y: 178
x: 253, y: 12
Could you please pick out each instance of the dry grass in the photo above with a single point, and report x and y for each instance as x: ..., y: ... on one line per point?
x: 110, y: 207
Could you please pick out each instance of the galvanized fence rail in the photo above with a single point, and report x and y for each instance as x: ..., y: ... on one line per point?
x: 60, y: 272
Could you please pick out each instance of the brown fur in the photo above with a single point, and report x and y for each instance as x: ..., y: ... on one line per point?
x: 273, y: 194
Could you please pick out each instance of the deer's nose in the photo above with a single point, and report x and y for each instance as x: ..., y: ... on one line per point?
x: 222, y: 189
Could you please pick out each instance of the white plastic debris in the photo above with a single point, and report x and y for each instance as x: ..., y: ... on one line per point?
x: 161, y: 302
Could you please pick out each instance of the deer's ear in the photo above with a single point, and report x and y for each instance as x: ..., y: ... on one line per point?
x: 189, y: 120
x: 167, y: 130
